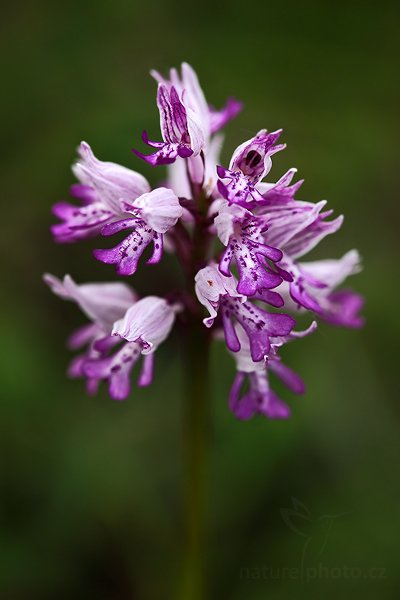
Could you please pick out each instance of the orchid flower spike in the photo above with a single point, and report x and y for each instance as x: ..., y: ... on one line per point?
x: 239, y: 239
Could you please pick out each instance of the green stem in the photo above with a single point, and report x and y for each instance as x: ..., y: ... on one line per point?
x: 196, y: 430
x: 196, y: 417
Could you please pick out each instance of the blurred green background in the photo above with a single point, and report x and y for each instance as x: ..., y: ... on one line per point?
x: 90, y: 488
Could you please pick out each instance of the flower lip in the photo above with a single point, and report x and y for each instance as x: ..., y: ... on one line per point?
x: 166, y: 153
x: 240, y: 232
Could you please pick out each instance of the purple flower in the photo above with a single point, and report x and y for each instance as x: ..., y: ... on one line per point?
x: 188, y: 86
x: 115, y: 315
x: 145, y: 325
x: 260, y: 398
x: 340, y: 307
x: 151, y: 215
x: 186, y: 120
x: 249, y: 164
x: 183, y: 124
x: 218, y: 293
x: 241, y: 233
x: 181, y: 134
x: 102, y: 303
x: 102, y: 186
x: 296, y: 228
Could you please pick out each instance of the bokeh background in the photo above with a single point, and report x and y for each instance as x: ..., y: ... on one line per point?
x: 90, y: 488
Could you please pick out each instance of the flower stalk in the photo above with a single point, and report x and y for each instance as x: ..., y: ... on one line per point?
x: 196, y: 430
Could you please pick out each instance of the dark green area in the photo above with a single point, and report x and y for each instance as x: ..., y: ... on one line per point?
x: 90, y: 499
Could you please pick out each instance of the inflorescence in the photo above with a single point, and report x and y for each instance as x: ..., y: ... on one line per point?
x: 238, y: 239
